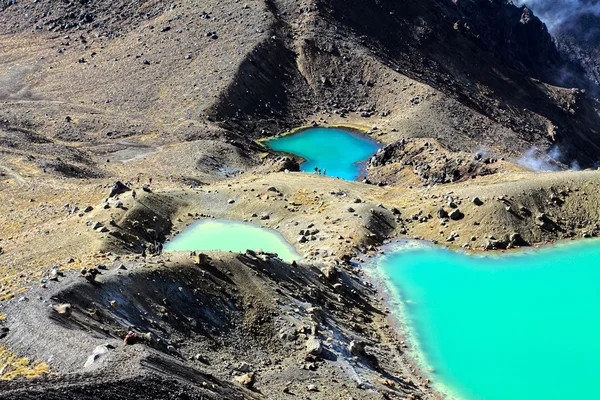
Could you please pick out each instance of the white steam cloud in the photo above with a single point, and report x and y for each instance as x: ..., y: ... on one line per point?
x: 537, y: 160
x: 555, y: 13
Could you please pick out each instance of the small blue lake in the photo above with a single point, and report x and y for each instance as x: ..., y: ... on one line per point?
x: 224, y: 235
x: 339, y: 153
x: 516, y: 326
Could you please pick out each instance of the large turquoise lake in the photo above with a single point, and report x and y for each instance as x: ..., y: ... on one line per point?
x: 224, y: 235
x: 337, y: 152
x: 518, y: 326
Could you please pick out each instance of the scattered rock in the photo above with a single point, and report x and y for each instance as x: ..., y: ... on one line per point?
x: 314, y: 347
x: 98, y: 353
x: 456, y: 215
x: 516, y: 239
x: 246, y: 380
x: 356, y: 348
x: 117, y: 188
x: 441, y: 213
x: 244, y: 367
x: 63, y: 309
x: 330, y: 272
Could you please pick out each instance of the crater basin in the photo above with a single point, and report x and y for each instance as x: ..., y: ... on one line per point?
x: 235, y: 236
x: 336, y: 152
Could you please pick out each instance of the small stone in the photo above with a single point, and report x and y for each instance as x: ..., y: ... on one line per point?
x: 245, y: 380
x: 330, y: 272
x: 244, y: 367
x: 356, y: 348
x: 63, y: 309
x: 97, y: 354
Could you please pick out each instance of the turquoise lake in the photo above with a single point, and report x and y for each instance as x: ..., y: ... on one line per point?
x: 516, y: 326
x: 338, y: 152
x: 232, y: 236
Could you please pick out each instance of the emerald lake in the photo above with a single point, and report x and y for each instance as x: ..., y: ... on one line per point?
x: 520, y: 325
x: 339, y: 153
x: 224, y: 235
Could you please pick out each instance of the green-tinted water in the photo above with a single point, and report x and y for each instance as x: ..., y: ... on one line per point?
x: 233, y: 236
x: 339, y: 153
x: 518, y: 326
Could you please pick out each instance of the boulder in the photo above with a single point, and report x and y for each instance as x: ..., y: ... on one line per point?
x: 517, y: 240
x: 246, y: 380
x: 314, y: 347
x: 244, y: 367
x: 441, y: 213
x: 330, y: 272
x: 456, y: 214
x: 117, y: 188
x: 98, y: 353
x: 477, y: 201
x: 494, y: 244
x: 202, y: 259
x: 63, y: 309
x: 356, y: 348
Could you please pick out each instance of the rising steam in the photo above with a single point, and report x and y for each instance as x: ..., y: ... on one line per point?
x: 537, y: 160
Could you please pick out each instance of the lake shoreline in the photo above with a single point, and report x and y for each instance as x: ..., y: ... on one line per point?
x: 340, y: 152
x: 395, y: 301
